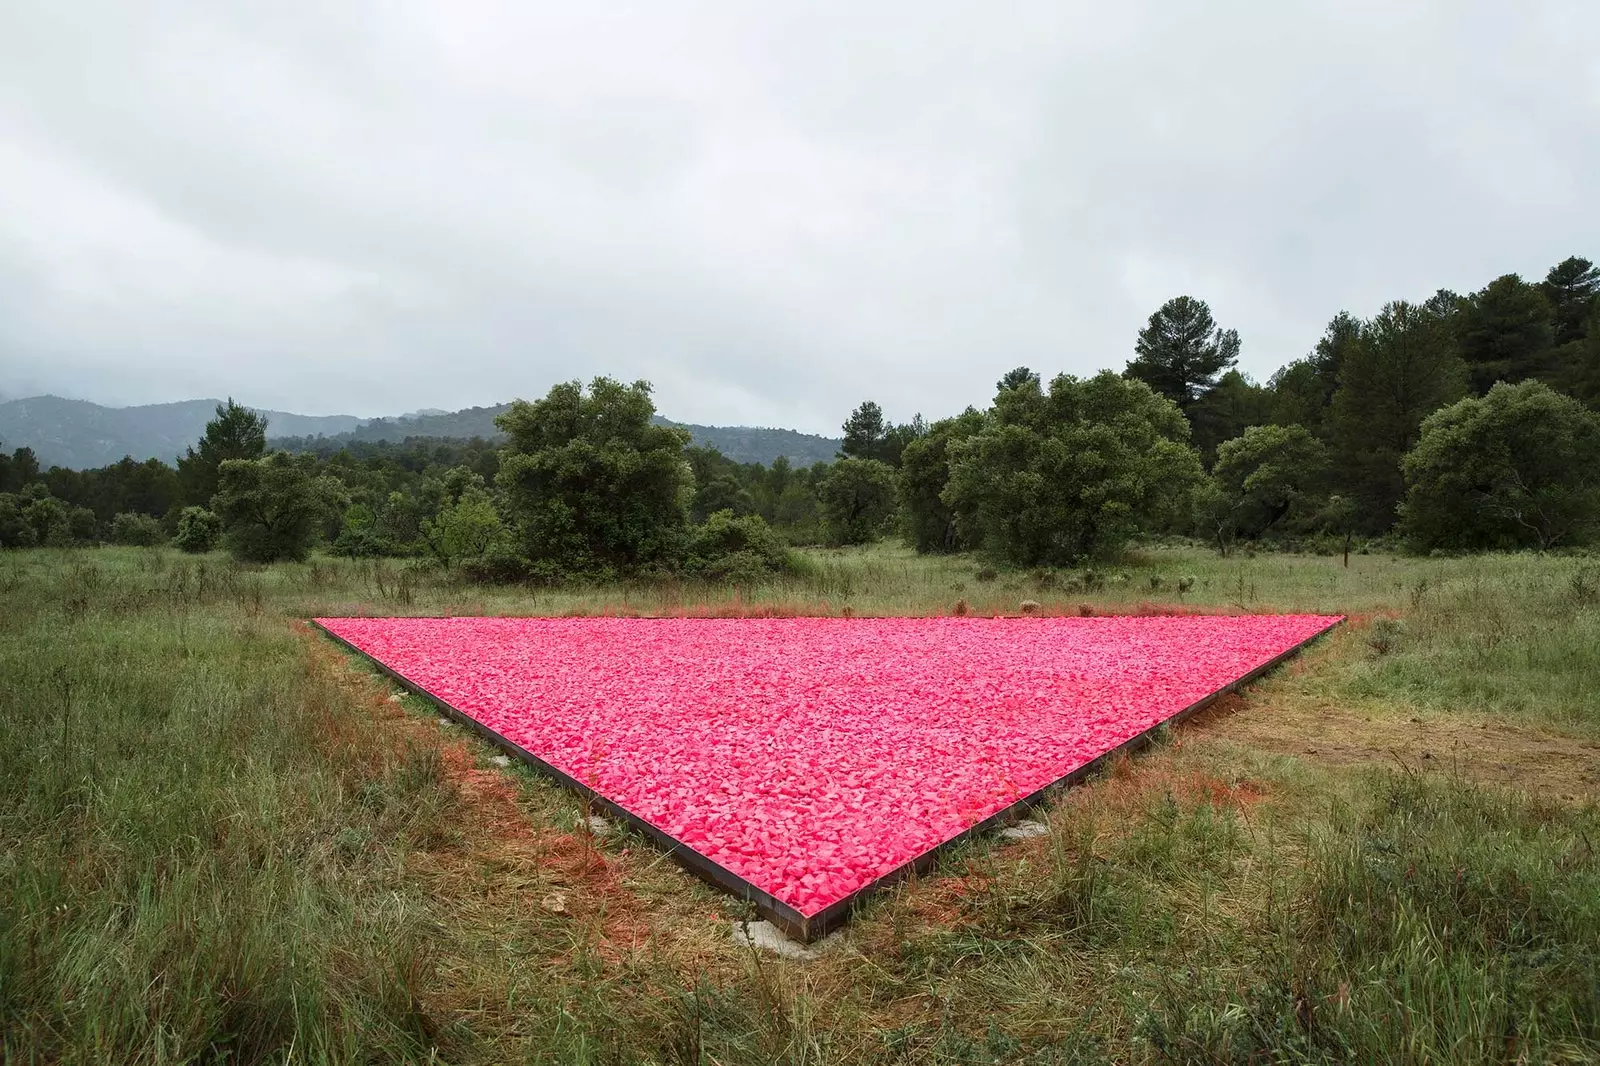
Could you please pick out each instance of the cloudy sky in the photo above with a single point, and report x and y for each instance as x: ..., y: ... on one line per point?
x: 769, y: 209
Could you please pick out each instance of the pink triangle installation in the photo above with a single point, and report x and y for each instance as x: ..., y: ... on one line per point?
x: 812, y: 756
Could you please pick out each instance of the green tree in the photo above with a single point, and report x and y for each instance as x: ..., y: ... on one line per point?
x: 863, y: 432
x: 857, y: 498
x: 1519, y: 467
x: 49, y: 518
x: 1404, y: 368
x: 1570, y: 287
x: 235, y: 433
x: 1234, y: 405
x: 930, y: 524
x: 19, y: 470
x: 466, y: 530
x: 1181, y: 351
x: 1302, y: 391
x: 1069, y: 475
x: 1016, y: 378
x: 358, y: 534
x: 84, y: 525
x: 199, y: 530
x: 15, y: 532
x: 272, y: 508
x: 590, y: 483
x: 136, y: 529
x: 1270, y: 476
x: 1505, y: 332
x: 716, y: 485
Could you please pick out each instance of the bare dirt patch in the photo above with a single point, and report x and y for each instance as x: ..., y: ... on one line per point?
x: 1489, y: 752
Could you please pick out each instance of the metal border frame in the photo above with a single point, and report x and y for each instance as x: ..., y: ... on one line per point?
x: 791, y: 921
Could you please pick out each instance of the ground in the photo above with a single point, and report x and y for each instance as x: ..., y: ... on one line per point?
x: 225, y: 839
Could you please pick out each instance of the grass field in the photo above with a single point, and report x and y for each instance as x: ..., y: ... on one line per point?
x: 223, y: 840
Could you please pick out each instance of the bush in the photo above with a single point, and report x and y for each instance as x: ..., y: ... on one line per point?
x: 1519, y: 467
x: 500, y: 564
x: 199, y: 530
x: 736, y: 548
x: 140, y: 530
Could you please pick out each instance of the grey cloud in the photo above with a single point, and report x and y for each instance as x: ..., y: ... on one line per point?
x: 771, y: 211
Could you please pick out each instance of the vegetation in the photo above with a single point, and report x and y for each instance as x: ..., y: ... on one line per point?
x: 224, y: 839
x: 1071, y: 474
x: 1519, y: 467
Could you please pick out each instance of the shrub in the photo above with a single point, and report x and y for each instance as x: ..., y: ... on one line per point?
x: 199, y: 530
x: 737, y: 548
x: 140, y: 530
x: 1519, y: 467
x: 500, y: 564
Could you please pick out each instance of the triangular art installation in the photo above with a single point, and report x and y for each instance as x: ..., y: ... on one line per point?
x: 801, y: 762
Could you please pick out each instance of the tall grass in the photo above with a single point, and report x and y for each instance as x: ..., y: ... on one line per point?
x: 220, y: 842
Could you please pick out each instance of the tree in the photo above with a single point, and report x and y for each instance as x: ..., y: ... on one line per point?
x: 235, y: 433
x: 1403, y: 368
x: 271, y: 508
x: 139, y: 530
x: 1303, y: 390
x: 358, y: 534
x: 1505, y: 332
x: 591, y: 485
x: 1570, y: 287
x: 1017, y: 378
x: 716, y: 485
x: 18, y: 470
x: 199, y: 530
x: 930, y: 524
x: 1234, y: 405
x: 1181, y: 351
x: 15, y: 532
x: 1268, y: 476
x: 857, y: 498
x: 897, y: 437
x: 468, y: 529
x: 49, y: 518
x: 863, y: 431
x: 1519, y: 467
x: 1070, y: 475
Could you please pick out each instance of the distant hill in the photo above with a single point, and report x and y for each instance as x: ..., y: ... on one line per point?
x: 79, y: 434
x: 742, y: 444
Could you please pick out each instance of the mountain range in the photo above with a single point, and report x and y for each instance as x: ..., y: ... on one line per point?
x: 79, y: 434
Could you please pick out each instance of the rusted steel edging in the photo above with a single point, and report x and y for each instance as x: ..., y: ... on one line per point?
x: 779, y: 913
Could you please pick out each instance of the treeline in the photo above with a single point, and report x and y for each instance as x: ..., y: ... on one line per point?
x: 1461, y: 422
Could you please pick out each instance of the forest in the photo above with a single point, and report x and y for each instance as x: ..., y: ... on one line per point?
x: 1458, y: 423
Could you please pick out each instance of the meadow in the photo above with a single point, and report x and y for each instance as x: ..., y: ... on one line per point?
x: 222, y: 839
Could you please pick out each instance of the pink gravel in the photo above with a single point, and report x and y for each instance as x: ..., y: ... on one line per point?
x: 811, y: 756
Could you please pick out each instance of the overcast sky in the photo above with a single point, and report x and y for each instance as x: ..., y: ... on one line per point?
x: 770, y: 210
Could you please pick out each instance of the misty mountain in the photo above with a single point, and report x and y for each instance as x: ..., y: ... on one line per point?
x: 79, y: 434
x: 742, y: 444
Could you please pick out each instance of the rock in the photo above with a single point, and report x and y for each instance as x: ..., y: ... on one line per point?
x: 1024, y: 830
x: 764, y: 936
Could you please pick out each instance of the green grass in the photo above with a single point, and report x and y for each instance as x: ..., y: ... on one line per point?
x: 221, y: 842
